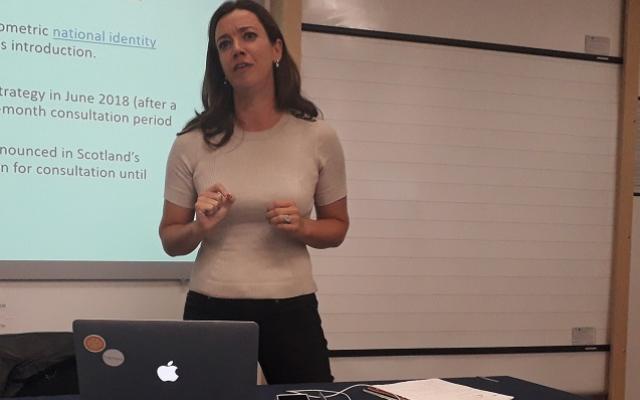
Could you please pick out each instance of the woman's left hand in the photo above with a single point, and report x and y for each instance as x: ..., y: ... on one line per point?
x: 284, y: 215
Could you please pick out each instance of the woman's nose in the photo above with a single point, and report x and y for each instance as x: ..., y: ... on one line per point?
x: 237, y: 47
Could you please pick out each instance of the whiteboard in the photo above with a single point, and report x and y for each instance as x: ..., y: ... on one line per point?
x: 481, y: 194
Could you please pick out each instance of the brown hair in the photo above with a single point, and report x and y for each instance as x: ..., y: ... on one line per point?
x: 217, y: 118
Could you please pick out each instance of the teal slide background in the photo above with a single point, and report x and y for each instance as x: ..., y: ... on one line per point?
x: 85, y: 218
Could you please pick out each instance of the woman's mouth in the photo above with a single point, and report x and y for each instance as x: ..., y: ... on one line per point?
x: 240, y: 66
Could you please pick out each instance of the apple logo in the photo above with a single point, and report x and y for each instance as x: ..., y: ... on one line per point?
x: 167, y: 373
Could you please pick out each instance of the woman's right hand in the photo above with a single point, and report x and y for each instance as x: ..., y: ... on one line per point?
x: 212, y: 206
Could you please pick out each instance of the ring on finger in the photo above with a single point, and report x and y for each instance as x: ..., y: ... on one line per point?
x: 287, y: 218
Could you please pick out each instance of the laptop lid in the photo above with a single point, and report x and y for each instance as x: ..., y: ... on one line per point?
x: 166, y: 360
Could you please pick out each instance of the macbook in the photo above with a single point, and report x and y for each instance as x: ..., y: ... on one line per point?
x: 166, y: 360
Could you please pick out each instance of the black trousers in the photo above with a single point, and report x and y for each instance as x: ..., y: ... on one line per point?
x: 292, y: 346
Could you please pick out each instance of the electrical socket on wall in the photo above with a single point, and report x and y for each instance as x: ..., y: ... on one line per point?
x: 3, y: 315
x: 583, y: 335
x: 597, y: 45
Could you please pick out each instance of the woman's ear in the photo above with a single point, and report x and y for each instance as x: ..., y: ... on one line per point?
x: 277, y: 50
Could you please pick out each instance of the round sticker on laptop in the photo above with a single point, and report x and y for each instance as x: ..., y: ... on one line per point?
x: 94, y: 343
x: 113, y: 358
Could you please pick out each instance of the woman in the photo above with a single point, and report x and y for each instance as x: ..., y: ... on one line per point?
x: 250, y: 168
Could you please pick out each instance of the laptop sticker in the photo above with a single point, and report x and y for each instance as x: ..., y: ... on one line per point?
x: 113, y: 358
x: 94, y: 343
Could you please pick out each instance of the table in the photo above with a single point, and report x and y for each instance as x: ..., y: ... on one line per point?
x: 520, y: 389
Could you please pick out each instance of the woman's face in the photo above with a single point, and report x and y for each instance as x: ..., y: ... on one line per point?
x: 245, y: 52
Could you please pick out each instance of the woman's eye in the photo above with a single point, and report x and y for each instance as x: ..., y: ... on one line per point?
x: 223, y: 44
x: 250, y: 35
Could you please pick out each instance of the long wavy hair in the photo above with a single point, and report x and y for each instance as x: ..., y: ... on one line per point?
x: 217, y: 118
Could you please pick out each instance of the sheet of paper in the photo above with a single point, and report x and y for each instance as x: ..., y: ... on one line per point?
x: 430, y: 389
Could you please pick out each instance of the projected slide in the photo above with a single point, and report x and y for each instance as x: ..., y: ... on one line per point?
x: 91, y: 97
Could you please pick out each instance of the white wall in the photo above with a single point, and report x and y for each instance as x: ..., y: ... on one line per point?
x: 549, y: 24
x: 542, y: 24
x: 51, y: 306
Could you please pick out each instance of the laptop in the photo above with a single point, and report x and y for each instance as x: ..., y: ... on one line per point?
x: 166, y: 360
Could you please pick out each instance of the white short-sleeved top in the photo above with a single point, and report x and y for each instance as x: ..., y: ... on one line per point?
x: 245, y: 257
